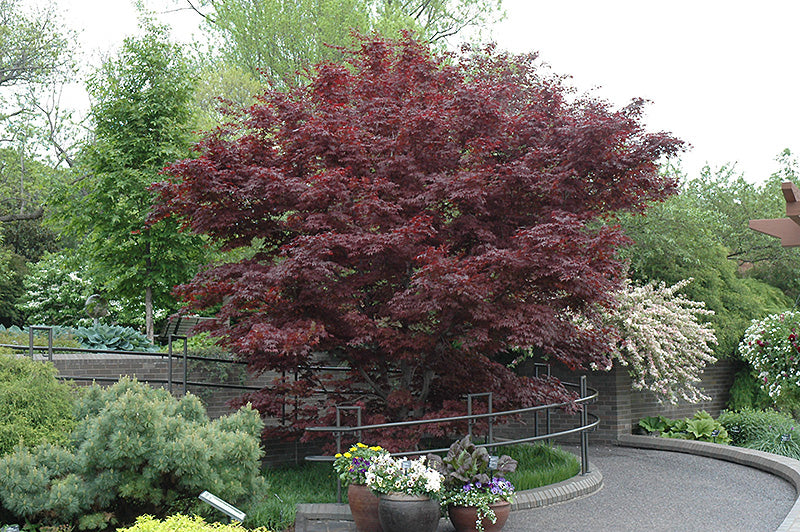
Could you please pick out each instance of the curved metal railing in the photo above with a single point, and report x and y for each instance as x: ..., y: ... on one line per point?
x: 586, y: 397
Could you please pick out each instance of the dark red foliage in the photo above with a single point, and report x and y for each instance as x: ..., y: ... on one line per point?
x: 415, y: 215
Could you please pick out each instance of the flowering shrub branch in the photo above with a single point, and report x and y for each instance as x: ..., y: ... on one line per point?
x: 772, y: 347
x: 664, y: 342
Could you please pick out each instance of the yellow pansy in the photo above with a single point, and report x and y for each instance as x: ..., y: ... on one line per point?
x: 361, y: 445
x: 376, y: 448
x: 347, y: 455
x: 338, y: 455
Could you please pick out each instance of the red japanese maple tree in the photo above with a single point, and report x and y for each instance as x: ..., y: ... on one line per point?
x: 415, y: 215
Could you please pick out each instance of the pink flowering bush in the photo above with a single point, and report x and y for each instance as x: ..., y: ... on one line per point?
x: 664, y: 341
x: 772, y: 346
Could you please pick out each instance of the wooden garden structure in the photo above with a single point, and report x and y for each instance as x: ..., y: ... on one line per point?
x: 787, y: 229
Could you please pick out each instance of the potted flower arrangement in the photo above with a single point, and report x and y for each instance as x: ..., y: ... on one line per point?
x: 477, y: 495
x: 352, y: 466
x: 408, y: 493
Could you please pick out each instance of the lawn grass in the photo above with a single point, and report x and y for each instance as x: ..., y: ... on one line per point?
x: 288, y: 486
x: 539, y: 465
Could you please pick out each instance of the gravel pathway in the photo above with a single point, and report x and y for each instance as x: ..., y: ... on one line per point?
x: 645, y: 490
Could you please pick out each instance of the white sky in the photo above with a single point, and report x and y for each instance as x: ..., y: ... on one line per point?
x: 721, y: 74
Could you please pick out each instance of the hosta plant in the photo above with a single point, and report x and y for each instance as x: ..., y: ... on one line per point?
x: 113, y: 338
x: 701, y: 426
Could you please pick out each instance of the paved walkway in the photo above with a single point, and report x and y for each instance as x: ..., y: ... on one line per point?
x: 647, y: 490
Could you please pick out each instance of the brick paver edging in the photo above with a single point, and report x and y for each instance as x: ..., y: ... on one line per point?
x: 781, y: 466
x: 337, y: 518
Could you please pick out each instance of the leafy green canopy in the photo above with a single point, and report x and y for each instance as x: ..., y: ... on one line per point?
x: 415, y: 216
x: 141, y: 118
x: 281, y: 37
x: 685, y: 238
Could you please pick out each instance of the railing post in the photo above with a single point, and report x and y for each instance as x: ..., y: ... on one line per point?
x: 471, y: 422
x: 49, y: 340
x: 169, y: 365
x: 536, y: 367
x: 338, y: 451
x: 185, y: 363
x: 283, y: 403
x: 50, y: 343
x: 584, y: 434
x: 339, y: 410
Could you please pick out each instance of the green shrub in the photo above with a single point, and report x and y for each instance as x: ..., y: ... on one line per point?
x: 777, y: 442
x: 746, y: 392
x: 181, y: 523
x: 62, y: 337
x: 35, y: 407
x: 748, y: 425
x: 700, y: 427
x: 56, y: 289
x: 136, y: 450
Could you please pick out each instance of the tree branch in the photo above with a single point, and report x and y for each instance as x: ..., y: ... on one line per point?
x: 38, y: 213
x: 197, y: 10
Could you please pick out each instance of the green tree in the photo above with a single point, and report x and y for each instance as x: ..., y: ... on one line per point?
x: 32, y: 44
x: 12, y: 271
x: 280, y: 37
x: 680, y: 239
x: 728, y: 202
x: 135, y: 450
x: 141, y: 115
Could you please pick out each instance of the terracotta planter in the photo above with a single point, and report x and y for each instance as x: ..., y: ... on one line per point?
x: 399, y: 512
x: 364, y: 507
x: 464, y: 517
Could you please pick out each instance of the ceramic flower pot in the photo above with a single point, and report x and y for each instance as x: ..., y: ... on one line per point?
x: 464, y: 518
x: 364, y: 507
x: 399, y: 512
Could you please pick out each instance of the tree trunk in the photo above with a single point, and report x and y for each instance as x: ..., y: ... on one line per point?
x: 148, y: 313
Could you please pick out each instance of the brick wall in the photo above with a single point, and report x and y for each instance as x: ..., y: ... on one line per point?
x: 620, y: 408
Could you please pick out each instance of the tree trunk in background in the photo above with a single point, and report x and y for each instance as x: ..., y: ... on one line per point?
x: 148, y: 313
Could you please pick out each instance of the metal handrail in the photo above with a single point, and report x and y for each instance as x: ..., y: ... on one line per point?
x: 587, y: 395
x: 582, y: 400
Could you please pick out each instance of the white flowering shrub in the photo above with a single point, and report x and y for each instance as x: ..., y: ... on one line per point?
x: 772, y: 347
x: 413, y: 477
x: 664, y: 341
x: 56, y: 289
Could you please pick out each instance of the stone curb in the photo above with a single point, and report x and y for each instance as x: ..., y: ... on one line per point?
x: 333, y: 517
x: 781, y: 466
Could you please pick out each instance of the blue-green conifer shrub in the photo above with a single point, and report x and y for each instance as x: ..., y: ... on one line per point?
x: 136, y: 450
